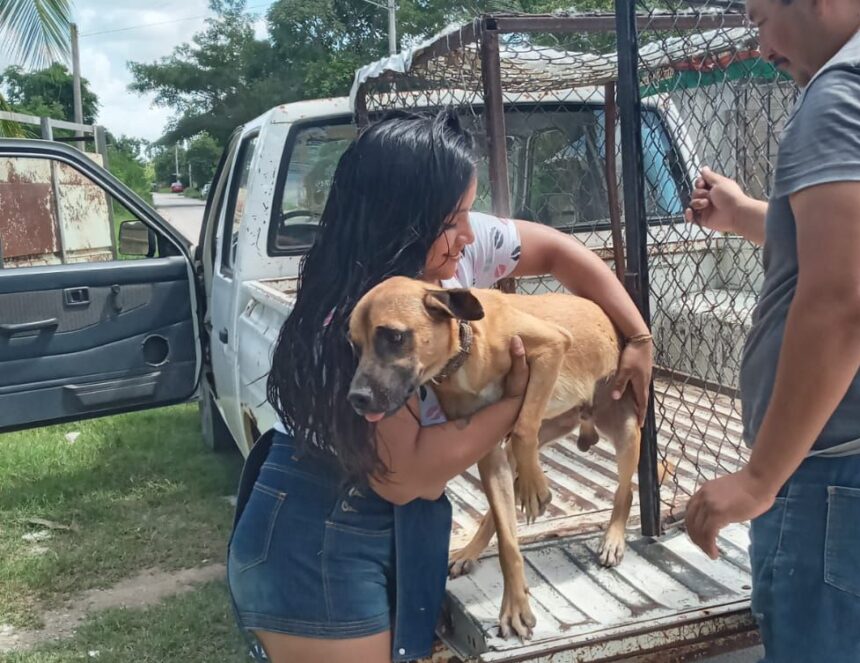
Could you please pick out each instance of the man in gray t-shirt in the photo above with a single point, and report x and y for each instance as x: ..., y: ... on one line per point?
x: 800, y: 375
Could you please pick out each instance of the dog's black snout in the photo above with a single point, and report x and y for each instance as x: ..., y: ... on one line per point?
x: 360, y: 398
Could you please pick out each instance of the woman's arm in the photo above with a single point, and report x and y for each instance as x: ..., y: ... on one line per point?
x: 421, y: 460
x: 548, y: 251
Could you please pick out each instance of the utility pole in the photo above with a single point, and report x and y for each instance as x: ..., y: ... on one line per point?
x: 176, y: 154
x: 190, y: 183
x: 392, y: 27
x: 391, y: 6
x: 76, y: 84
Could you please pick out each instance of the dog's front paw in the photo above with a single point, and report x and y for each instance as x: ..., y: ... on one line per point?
x: 612, y: 548
x: 461, y: 563
x: 516, y: 616
x: 532, y: 491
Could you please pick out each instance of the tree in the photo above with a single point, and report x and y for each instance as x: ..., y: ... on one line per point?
x: 48, y: 92
x: 226, y: 77
x: 162, y: 160
x: 33, y: 32
x: 325, y: 41
x: 124, y: 156
x: 223, y: 78
x: 202, y: 152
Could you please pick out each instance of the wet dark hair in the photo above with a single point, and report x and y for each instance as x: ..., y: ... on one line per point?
x: 393, y: 190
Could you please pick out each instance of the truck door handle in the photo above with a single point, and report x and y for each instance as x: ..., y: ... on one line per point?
x: 20, y: 328
x: 223, y: 336
x: 76, y: 296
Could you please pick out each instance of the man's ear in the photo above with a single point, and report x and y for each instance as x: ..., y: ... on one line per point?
x: 457, y: 303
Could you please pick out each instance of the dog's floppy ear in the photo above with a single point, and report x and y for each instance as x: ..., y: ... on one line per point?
x: 457, y: 303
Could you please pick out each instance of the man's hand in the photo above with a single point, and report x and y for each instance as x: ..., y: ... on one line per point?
x: 715, y: 202
x: 734, y: 498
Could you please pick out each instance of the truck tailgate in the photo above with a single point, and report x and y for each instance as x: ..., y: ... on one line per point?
x: 665, y: 595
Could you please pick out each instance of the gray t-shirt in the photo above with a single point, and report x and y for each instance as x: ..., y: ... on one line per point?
x: 820, y: 144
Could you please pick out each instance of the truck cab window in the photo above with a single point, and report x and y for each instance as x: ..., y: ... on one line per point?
x: 303, y: 185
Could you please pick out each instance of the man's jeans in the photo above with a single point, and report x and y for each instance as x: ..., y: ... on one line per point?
x: 805, y: 554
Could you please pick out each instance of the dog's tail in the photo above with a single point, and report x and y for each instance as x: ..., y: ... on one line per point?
x: 588, y: 435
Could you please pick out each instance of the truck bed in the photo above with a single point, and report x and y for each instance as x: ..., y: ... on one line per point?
x: 666, y: 595
x: 666, y: 600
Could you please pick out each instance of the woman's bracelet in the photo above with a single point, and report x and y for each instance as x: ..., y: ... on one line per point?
x: 640, y: 338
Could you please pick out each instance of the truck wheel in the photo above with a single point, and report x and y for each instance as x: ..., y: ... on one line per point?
x: 216, y: 435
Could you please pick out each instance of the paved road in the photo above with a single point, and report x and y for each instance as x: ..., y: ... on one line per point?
x: 184, y: 214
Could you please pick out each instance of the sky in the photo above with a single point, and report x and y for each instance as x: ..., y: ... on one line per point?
x: 157, y: 30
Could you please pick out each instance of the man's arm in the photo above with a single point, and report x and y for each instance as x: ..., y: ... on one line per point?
x: 820, y: 357
x: 821, y: 349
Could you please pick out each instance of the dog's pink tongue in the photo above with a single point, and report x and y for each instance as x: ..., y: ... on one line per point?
x: 373, y: 418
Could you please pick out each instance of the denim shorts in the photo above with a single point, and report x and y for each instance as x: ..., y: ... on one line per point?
x: 309, y: 556
x: 805, y: 555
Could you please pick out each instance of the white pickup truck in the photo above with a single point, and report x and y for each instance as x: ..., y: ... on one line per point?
x: 183, y: 321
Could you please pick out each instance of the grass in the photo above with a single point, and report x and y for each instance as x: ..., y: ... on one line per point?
x: 193, y: 193
x: 192, y: 628
x: 138, y: 490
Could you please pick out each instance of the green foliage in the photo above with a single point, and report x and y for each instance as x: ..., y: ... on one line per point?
x: 128, y: 167
x: 35, y: 32
x: 48, y: 92
x: 223, y: 78
x: 226, y: 76
x: 203, y: 152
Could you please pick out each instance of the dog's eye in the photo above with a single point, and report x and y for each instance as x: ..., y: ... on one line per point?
x: 392, y: 336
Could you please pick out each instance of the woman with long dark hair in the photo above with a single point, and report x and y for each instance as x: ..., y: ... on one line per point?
x: 339, y: 551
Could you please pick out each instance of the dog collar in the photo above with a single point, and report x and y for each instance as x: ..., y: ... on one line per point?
x: 456, y: 362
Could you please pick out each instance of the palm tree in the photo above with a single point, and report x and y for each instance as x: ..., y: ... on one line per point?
x: 33, y: 34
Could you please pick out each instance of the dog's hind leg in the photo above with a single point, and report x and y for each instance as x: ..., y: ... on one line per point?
x: 463, y: 561
x: 618, y: 422
x: 498, y: 480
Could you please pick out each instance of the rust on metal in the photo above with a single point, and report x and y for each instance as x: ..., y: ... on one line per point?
x: 494, y: 111
x: 603, y: 23
x: 51, y: 213
x: 468, y: 34
x: 610, y: 119
x: 27, y: 222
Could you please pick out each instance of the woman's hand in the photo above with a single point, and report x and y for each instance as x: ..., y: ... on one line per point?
x: 634, y: 369
x: 518, y: 377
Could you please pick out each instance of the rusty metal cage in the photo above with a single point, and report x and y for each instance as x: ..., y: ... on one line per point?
x: 597, y: 124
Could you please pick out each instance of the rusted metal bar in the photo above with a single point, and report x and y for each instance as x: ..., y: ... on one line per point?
x: 361, y: 118
x: 59, y: 213
x: 468, y: 34
x: 610, y: 118
x: 495, y: 123
x: 494, y: 113
x: 606, y: 23
x: 636, y: 223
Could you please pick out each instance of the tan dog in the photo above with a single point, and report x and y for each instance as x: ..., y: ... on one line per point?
x: 410, y: 333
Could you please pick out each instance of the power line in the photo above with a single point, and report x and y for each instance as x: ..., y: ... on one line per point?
x: 175, y: 20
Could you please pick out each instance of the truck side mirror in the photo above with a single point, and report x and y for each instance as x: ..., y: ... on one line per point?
x: 136, y: 239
